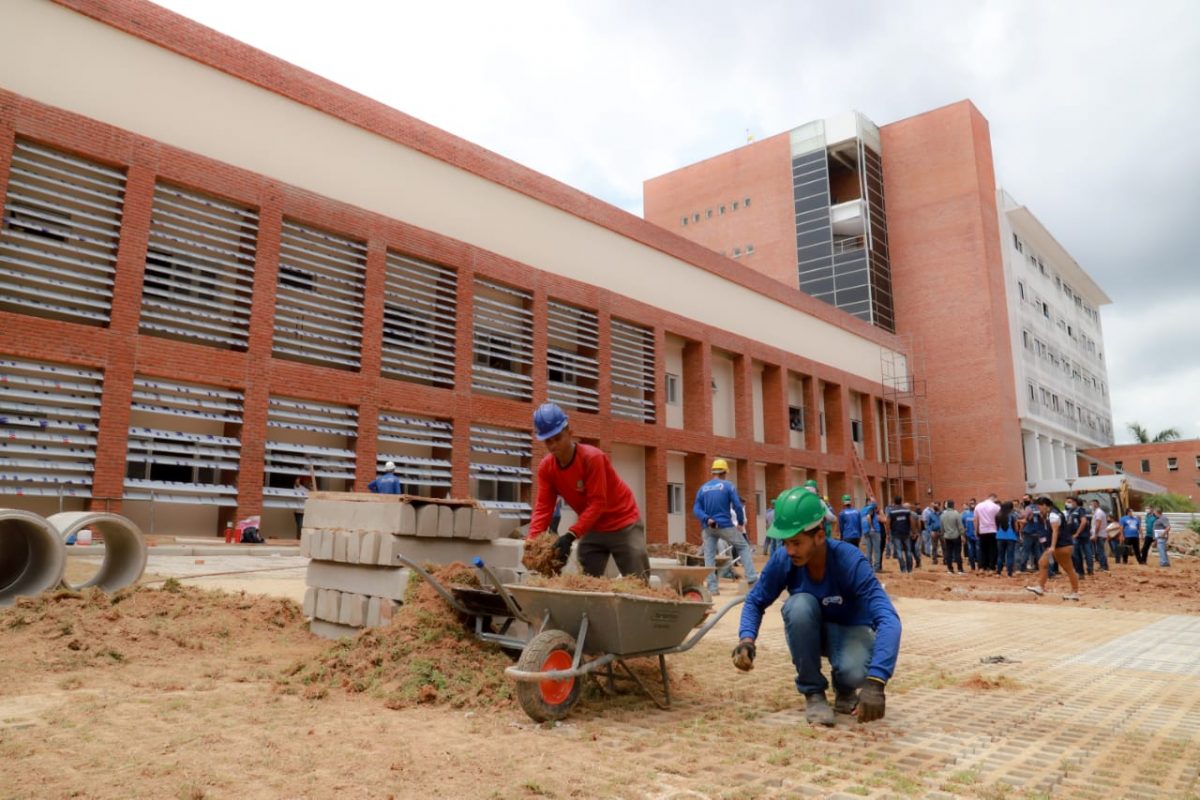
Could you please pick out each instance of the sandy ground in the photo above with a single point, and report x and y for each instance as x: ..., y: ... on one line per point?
x: 182, y: 692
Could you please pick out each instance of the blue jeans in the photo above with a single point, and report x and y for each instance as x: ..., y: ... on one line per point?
x: 1163, y: 561
x: 848, y: 647
x: 874, y: 551
x: 972, y: 547
x: 1030, y: 552
x: 926, y: 542
x: 1098, y: 547
x: 906, y: 550
x: 712, y: 536
x: 1082, y: 551
x: 1005, y: 549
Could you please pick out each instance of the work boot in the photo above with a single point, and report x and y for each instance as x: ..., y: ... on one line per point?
x: 846, y: 701
x: 817, y: 710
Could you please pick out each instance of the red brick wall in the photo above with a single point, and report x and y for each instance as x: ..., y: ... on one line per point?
x: 948, y: 281
x: 1184, y: 480
x: 123, y: 352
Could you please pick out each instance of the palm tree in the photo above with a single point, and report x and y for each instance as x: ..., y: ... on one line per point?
x: 1142, y: 436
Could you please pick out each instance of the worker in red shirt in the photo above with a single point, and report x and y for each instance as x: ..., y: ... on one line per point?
x: 583, y: 476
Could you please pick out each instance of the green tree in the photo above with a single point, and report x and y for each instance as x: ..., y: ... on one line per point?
x: 1169, y: 501
x: 1142, y: 436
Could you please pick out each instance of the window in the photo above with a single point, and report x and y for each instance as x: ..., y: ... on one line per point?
x: 1093, y: 468
x: 821, y: 422
x: 796, y: 420
x: 737, y: 252
x: 1027, y: 340
x: 749, y: 249
x: 721, y: 209
x: 1032, y: 393
x: 1120, y: 466
x: 1046, y: 310
x: 735, y: 205
x: 696, y: 217
x: 1017, y: 244
x: 1172, y: 465
x: 1197, y: 462
x: 684, y: 222
x: 856, y: 431
x: 1021, y: 289
x: 746, y: 202
x: 672, y: 389
x: 708, y: 213
x: 1145, y: 465
x: 675, y: 498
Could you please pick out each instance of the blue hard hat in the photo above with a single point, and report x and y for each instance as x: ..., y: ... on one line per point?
x: 548, y: 420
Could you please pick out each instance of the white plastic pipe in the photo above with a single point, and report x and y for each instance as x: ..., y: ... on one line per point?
x: 32, y: 555
x: 124, y: 547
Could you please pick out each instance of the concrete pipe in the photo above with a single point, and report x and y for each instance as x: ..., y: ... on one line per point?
x: 32, y: 555
x: 124, y: 547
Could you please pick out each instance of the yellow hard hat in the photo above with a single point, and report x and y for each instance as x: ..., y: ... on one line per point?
x: 719, y: 465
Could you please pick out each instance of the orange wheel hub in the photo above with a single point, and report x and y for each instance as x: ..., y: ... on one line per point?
x: 555, y: 692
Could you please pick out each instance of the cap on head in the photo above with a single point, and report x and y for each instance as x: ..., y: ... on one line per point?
x: 389, y: 466
x: 720, y: 465
x: 796, y: 510
x: 846, y: 499
x: 549, y: 420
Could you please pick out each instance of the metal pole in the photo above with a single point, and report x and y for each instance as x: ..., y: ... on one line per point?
x: 151, y: 512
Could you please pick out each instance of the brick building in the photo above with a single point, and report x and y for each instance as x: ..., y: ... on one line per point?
x: 903, y: 226
x: 221, y: 275
x: 1173, y: 465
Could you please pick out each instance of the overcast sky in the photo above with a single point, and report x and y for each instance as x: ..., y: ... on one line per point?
x: 1093, y: 111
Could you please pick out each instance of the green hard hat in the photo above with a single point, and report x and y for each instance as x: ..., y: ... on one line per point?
x: 796, y: 510
x: 846, y: 498
x: 809, y: 484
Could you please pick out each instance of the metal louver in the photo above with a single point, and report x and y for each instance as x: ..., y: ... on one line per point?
x: 199, y: 268
x: 420, y: 448
x: 574, y: 371
x: 303, y: 438
x: 633, y: 378
x: 58, y: 242
x: 191, y: 447
x: 503, y: 341
x: 319, y: 297
x: 500, y: 469
x: 49, y: 416
x: 419, y: 315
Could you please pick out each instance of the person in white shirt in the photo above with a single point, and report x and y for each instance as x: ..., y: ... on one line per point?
x: 1100, y: 537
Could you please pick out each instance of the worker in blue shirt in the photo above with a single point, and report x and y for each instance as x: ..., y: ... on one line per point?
x: 715, y: 501
x: 872, y: 532
x: 835, y: 608
x: 849, y: 522
x: 387, y: 483
x: 1130, y: 527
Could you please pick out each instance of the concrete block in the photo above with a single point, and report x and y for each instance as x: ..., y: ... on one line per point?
x: 389, y: 582
x: 341, y: 541
x: 353, y: 609
x: 368, y: 547
x: 379, y: 611
x: 328, y: 601
x: 445, y: 521
x: 353, y: 546
x: 506, y: 527
x: 331, y: 630
x: 378, y: 514
x: 406, y: 520
x: 306, y: 542
x: 310, y: 601
x: 323, y: 546
x: 497, y: 553
x: 463, y: 522
x: 427, y: 519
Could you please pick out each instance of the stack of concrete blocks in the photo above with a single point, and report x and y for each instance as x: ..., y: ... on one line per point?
x: 355, y: 579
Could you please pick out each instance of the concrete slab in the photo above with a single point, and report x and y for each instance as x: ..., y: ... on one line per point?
x: 341, y: 541
x: 463, y: 520
x: 445, y: 521
x: 379, y: 611
x: 328, y: 603
x: 310, y: 602
x: 427, y: 520
x: 352, y: 610
x: 368, y: 548
x: 500, y: 552
x: 406, y: 520
x: 389, y: 582
x: 331, y: 630
x: 323, y: 546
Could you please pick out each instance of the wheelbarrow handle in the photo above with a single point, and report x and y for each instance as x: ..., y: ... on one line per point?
x: 708, y: 626
x: 513, y: 608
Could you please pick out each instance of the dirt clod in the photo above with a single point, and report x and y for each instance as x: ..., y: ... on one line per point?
x: 541, y: 557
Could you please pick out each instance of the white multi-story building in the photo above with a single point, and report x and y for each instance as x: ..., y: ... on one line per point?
x: 1058, y: 347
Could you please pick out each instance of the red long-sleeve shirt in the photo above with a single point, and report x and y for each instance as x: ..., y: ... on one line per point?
x: 590, y: 486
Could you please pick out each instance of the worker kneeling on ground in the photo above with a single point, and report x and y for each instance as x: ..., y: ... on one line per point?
x: 583, y: 476
x: 836, y: 608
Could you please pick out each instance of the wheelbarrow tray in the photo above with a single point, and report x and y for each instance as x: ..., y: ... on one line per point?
x: 696, y: 560
x: 620, y: 624
x: 678, y: 577
x: 479, y: 601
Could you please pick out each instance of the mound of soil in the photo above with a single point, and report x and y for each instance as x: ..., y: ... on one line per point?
x: 986, y: 684
x: 67, y: 630
x: 586, y: 583
x: 425, y: 655
x: 540, y: 556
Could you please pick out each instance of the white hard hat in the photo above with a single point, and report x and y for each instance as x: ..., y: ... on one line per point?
x: 389, y: 466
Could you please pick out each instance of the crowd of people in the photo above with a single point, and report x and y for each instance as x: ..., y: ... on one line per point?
x: 995, y: 537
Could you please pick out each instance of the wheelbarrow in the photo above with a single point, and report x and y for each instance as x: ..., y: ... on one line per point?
x: 594, y: 633
x: 491, y: 615
x: 688, y: 582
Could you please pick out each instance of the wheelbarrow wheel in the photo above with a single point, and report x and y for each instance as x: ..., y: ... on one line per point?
x: 696, y: 592
x: 546, y: 701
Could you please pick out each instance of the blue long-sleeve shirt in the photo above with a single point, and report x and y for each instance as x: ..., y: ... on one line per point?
x: 850, y: 523
x: 714, y: 501
x: 387, y: 483
x: 849, y: 594
x: 870, y: 518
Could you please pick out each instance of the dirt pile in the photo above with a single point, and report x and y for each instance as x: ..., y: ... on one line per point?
x: 68, y: 630
x: 540, y: 556
x: 426, y: 655
x: 586, y: 583
x: 1184, y: 540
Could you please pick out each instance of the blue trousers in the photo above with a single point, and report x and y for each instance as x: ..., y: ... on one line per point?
x: 1082, y: 551
x: 874, y: 551
x: 809, y: 637
x: 1004, y: 555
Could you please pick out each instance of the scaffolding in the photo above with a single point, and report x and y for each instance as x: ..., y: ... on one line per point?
x: 907, y: 442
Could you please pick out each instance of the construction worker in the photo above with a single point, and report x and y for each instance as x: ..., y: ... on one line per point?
x: 609, y: 521
x: 835, y: 608
x: 387, y: 483
x: 829, y: 517
x: 849, y: 522
x: 715, y: 501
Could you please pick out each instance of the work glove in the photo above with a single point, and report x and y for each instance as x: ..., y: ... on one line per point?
x: 743, y: 655
x: 562, y: 548
x: 871, y: 701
